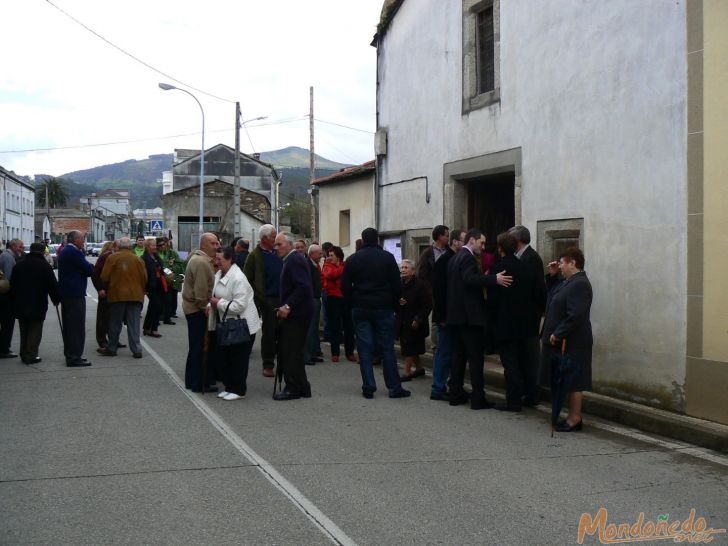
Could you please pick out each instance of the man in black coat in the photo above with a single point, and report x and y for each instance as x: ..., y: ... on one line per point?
x: 295, y: 314
x: 534, y: 263
x: 32, y: 283
x: 372, y: 286
x: 512, y: 314
x: 313, y: 344
x: 466, y: 312
x: 443, y: 354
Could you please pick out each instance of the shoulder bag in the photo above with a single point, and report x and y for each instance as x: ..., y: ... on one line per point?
x: 232, y: 332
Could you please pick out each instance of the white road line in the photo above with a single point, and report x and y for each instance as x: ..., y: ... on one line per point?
x: 316, y: 516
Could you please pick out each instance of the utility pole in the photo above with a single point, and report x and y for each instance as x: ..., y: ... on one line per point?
x: 236, y: 185
x: 312, y: 167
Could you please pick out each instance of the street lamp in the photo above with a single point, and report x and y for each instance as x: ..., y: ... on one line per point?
x: 168, y: 87
x: 255, y: 119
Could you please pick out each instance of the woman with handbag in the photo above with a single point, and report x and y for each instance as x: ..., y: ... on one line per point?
x: 567, y: 319
x: 156, y: 288
x: 238, y: 321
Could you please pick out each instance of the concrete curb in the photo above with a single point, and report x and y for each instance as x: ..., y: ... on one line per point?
x: 656, y: 421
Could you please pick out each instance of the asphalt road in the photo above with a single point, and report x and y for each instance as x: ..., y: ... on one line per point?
x: 119, y: 453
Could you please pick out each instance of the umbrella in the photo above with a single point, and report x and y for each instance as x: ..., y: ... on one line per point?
x: 563, y: 371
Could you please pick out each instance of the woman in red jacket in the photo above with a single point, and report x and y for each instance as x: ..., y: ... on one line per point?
x: 332, y: 271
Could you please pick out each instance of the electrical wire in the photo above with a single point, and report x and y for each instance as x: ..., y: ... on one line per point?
x: 133, y: 141
x: 137, y: 59
x: 344, y: 126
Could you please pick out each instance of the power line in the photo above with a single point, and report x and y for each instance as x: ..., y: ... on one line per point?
x: 137, y: 59
x: 133, y: 141
x: 344, y: 126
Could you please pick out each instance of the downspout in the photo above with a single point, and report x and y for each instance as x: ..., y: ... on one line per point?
x: 378, y: 162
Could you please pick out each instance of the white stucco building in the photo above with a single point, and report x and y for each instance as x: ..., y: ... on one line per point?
x: 17, y: 208
x: 582, y: 121
x: 346, y: 205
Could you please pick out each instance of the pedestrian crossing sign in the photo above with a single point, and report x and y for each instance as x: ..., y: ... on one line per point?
x: 156, y: 225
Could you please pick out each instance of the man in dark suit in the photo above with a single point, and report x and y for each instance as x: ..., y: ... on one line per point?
x: 73, y: 273
x: 242, y: 248
x: 534, y: 263
x: 313, y: 344
x: 512, y: 314
x: 466, y: 312
x: 295, y: 314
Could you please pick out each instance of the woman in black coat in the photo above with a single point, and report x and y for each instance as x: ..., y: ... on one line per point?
x: 411, y: 320
x: 32, y: 283
x: 567, y: 318
x: 156, y: 288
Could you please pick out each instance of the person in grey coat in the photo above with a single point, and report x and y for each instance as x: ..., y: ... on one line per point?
x: 8, y: 258
x: 567, y: 318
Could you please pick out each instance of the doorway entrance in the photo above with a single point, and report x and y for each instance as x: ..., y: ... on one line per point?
x: 491, y: 205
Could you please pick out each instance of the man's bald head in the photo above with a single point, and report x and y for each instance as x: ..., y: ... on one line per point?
x: 315, y: 252
x: 209, y: 243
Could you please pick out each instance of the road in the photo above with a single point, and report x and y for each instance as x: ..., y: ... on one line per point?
x: 120, y: 453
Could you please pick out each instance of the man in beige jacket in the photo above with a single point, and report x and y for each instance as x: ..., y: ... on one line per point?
x: 126, y: 278
x: 196, y: 294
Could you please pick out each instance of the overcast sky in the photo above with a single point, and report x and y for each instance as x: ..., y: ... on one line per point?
x: 62, y: 86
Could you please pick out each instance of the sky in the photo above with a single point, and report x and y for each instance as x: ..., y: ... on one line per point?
x: 62, y: 86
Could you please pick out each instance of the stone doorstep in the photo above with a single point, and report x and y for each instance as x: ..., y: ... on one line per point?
x: 692, y: 430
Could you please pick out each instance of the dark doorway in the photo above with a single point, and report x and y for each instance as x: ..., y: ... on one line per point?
x: 491, y: 205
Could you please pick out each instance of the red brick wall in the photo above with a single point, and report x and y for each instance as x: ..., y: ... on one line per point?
x: 64, y: 225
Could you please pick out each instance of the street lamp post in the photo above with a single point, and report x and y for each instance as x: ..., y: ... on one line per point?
x: 236, y: 181
x: 168, y: 87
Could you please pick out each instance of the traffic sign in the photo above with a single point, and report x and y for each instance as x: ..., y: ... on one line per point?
x: 156, y: 225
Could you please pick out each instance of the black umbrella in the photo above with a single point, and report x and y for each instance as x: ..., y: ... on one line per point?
x: 563, y: 371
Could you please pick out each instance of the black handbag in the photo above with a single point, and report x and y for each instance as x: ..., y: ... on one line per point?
x: 232, y: 332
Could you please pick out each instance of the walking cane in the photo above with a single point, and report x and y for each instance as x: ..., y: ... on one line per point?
x: 205, y: 349
x: 278, y: 379
x: 60, y: 323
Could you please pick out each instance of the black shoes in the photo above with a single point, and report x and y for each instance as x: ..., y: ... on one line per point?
x: 310, y: 363
x: 105, y: 351
x: 530, y: 403
x: 207, y: 389
x: 367, y: 394
x: 566, y: 427
x: 35, y: 360
x: 169, y: 322
x: 441, y: 396
x: 401, y: 393
x: 286, y: 395
x: 508, y: 407
x: 8, y: 355
x: 79, y: 364
x: 137, y: 355
x: 481, y: 404
x: 458, y: 400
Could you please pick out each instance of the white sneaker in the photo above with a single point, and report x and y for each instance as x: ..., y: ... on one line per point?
x: 222, y: 394
x: 232, y: 396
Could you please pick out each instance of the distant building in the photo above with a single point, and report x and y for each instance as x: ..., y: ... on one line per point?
x: 64, y: 220
x: 181, y: 194
x: 346, y: 205
x: 17, y: 206
x: 117, y: 201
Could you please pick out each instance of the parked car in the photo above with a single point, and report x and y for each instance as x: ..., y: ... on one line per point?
x: 54, y: 254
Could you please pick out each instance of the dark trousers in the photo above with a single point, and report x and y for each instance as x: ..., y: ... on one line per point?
x: 292, y: 334
x: 268, y: 348
x: 196, y: 327
x: 31, y: 332
x: 313, y: 345
x: 340, y: 326
x: 73, y: 314
x: 103, y: 318
x: 514, y: 357
x: 169, y: 304
x: 467, y: 347
x: 375, y: 338
x: 7, y: 325
x: 154, y: 311
x: 233, y: 363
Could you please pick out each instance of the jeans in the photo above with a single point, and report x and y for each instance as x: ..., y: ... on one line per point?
x: 443, y: 359
x: 375, y: 336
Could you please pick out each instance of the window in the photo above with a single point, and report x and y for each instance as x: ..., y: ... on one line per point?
x: 481, y: 54
x: 344, y: 228
x: 486, y: 51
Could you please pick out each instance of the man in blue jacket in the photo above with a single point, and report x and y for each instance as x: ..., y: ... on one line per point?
x: 73, y: 273
x: 372, y: 286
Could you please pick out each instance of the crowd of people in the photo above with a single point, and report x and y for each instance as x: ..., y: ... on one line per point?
x: 477, y: 304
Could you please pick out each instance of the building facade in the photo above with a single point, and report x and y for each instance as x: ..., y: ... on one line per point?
x: 346, y: 205
x: 62, y: 221
x: 600, y: 124
x: 17, y: 208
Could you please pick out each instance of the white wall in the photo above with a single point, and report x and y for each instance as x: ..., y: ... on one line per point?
x: 594, y: 94
x: 17, y: 210
x: 355, y: 195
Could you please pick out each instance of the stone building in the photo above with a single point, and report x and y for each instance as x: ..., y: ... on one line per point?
x: 64, y: 220
x: 346, y: 205
x: 17, y: 205
x: 181, y: 194
x: 601, y: 124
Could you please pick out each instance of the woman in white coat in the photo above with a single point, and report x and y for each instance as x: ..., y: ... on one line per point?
x: 232, y: 292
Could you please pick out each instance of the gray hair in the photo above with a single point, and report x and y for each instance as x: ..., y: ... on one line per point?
x: 313, y: 248
x: 124, y: 242
x: 13, y: 242
x: 73, y: 235
x: 521, y: 233
x: 408, y: 262
x: 266, y: 230
x: 287, y: 235
x: 205, y: 235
